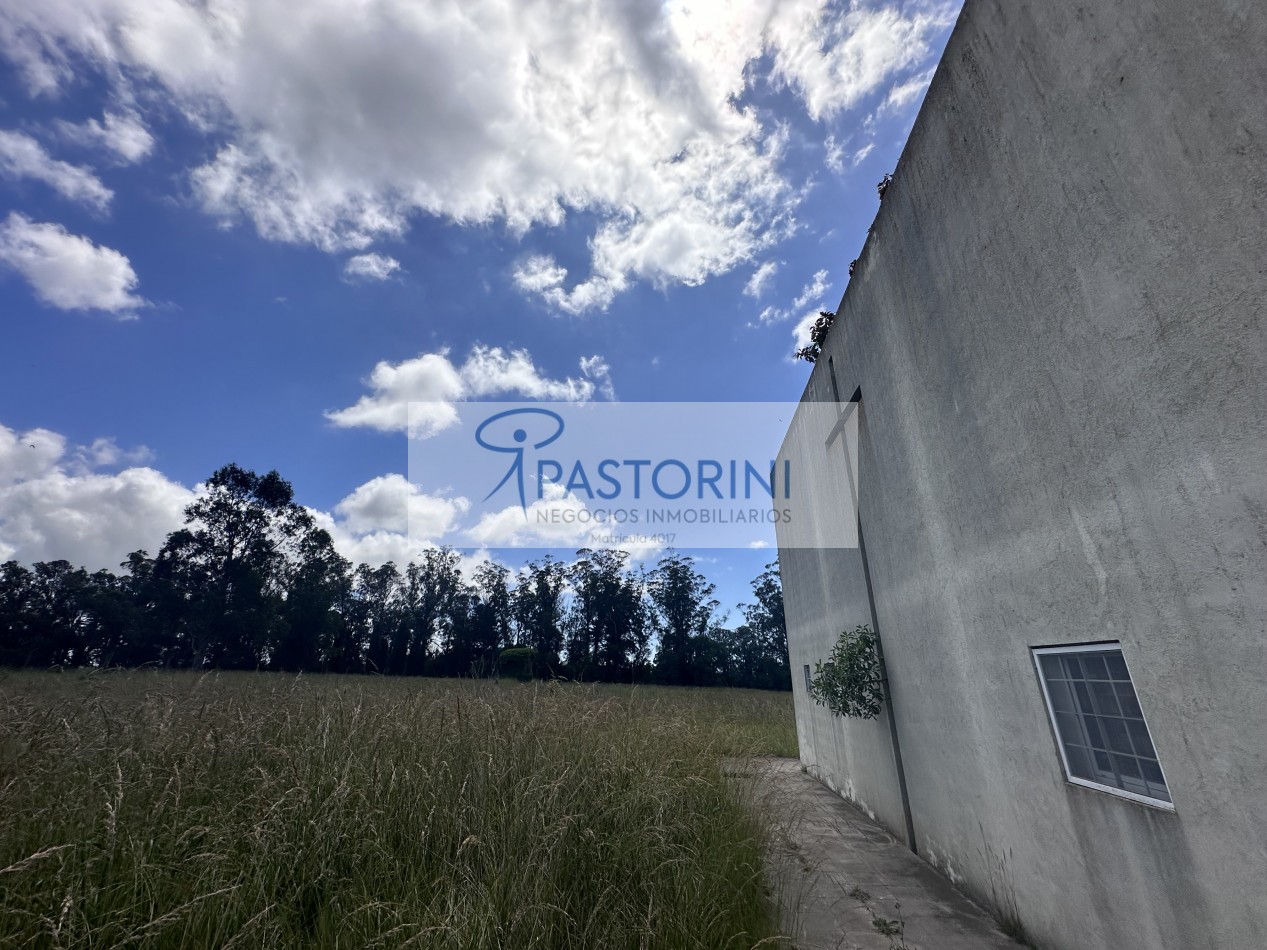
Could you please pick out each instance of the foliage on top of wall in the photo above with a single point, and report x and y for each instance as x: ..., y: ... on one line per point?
x: 850, y: 683
x: 817, y: 336
x: 883, y: 186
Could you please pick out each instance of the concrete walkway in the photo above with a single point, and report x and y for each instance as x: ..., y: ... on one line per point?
x: 846, y: 884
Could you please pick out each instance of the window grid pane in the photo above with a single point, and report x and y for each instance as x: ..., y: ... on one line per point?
x: 1099, y: 722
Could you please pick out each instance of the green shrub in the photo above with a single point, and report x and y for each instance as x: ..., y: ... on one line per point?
x: 851, y: 682
x: 517, y: 663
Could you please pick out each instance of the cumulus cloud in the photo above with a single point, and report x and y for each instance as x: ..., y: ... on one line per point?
x: 52, y: 506
x: 389, y: 519
x: 490, y: 111
x: 123, y: 134
x: 23, y: 157
x: 433, y: 383
x: 393, y: 503
x: 371, y: 267
x: 66, y: 270
x: 760, y: 279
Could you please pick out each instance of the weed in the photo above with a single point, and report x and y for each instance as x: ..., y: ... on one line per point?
x: 172, y: 809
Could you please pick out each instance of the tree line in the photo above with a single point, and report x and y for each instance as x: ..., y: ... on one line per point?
x: 251, y: 582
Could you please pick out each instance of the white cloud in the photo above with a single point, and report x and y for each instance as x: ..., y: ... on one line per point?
x: 51, y: 507
x: 124, y: 134
x: 107, y: 453
x: 492, y: 371
x: 23, y: 157
x: 489, y: 111
x: 68, y: 271
x: 834, y: 58
x: 371, y: 266
x: 860, y: 155
x: 28, y: 455
x: 393, y: 503
x: 909, y: 91
x: 834, y: 156
x: 800, y: 333
x: 539, y: 274
x: 811, y: 293
x: 389, y: 519
x: 760, y: 279
x: 433, y: 382
x: 429, y: 378
x: 599, y: 370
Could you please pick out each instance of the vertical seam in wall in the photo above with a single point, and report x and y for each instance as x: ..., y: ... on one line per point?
x: 879, y: 642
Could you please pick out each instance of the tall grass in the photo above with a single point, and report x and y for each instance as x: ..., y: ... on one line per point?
x: 176, y: 810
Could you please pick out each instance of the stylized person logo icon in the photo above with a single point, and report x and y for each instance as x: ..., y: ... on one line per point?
x: 519, y: 436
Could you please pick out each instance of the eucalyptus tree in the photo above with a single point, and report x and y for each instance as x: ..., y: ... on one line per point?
x: 608, y: 624
x: 683, y: 608
x: 538, y: 605
x: 231, y: 564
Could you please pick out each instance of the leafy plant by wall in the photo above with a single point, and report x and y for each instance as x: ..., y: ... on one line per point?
x: 817, y: 336
x: 850, y: 682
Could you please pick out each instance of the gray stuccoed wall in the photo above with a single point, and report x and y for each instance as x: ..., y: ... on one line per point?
x: 1057, y: 325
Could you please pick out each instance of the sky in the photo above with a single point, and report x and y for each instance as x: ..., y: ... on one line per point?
x: 245, y: 230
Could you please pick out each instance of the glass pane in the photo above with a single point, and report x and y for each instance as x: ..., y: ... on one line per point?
x: 1126, y: 696
x: 1093, y: 667
x: 1067, y: 726
x: 1104, y: 765
x: 1105, y: 700
x: 1159, y: 792
x: 1152, y: 772
x: 1073, y: 670
x: 1084, y: 697
x: 1079, y: 763
x: 1061, y: 697
x: 1115, y: 732
x: 1127, y: 766
x: 1139, y: 736
x: 1093, y: 732
x: 1051, y: 666
x: 1117, y: 666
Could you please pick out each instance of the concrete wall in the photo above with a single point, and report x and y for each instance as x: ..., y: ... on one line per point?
x: 1058, y: 328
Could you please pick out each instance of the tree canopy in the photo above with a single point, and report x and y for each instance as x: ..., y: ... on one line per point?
x: 251, y: 582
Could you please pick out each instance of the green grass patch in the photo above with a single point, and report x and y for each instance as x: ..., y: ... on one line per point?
x: 255, y: 810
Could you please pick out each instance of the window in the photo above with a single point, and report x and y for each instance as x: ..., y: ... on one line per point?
x: 808, y: 685
x: 1099, y: 725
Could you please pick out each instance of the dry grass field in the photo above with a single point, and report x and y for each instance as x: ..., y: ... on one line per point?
x: 154, y: 809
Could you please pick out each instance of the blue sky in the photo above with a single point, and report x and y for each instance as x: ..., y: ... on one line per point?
x: 218, y: 219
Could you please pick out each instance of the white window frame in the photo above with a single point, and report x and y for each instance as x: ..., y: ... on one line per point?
x: 1035, y: 654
